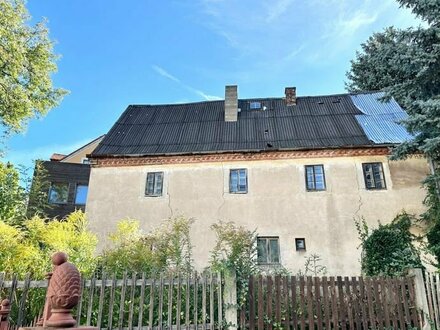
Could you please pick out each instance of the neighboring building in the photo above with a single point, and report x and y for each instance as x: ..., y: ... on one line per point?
x: 299, y: 170
x: 68, y: 180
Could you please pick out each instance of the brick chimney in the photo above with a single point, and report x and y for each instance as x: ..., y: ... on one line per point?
x: 290, y: 96
x: 231, y: 103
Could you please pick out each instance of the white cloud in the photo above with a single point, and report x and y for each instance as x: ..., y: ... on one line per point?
x: 294, y: 52
x: 164, y: 73
x: 350, y: 25
x: 279, y: 39
x: 264, y: 28
x: 277, y: 9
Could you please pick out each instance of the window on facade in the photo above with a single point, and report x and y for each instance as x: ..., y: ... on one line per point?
x: 300, y: 244
x: 268, y: 250
x: 154, y: 184
x: 315, y: 179
x: 58, y: 192
x: 85, y: 161
x: 238, y: 181
x: 81, y: 194
x: 373, y: 175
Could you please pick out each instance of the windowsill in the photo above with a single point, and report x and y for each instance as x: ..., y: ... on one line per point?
x: 375, y: 189
x: 316, y: 190
x: 238, y: 193
x: 153, y: 196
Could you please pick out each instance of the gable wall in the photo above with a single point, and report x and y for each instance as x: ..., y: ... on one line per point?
x: 78, y: 156
x: 277, y: 203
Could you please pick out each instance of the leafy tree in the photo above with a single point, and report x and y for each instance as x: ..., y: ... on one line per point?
x: 406, y: 65
x: 37, y: 190
x: 17, y: 188
x: 26, y: 64
x: 12, y: 195
x: 388, y: 249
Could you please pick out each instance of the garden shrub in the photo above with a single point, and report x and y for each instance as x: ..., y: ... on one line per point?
x: 167, y: 248
x: 28, y: 248
x: 235, y: 250
x: 433, y: 237
x: 432, y: 216
x: 313, y: 266
x: 388, y: 249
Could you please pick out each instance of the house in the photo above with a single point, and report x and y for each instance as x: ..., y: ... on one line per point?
x: 67, y: 178
x: 299, y: 170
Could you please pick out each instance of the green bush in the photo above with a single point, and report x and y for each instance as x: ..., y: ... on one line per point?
x: 235, y: 250
x: 433, y: 237
x: 168, y: 248
x: 388, y: 249
x: 28, y: 248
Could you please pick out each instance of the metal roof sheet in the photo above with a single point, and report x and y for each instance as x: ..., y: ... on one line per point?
x: 371, y: 104
x: 315, y: 122
x: 381, y: 120
x: 382, y: 131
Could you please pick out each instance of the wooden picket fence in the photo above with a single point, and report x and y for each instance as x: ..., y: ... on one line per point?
x: 432, y: 287
x: 205, y: 301
x: 169, y: 301
x: 290, y: 302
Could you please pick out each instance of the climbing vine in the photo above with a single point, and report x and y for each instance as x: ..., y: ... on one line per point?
x: 388, y: 249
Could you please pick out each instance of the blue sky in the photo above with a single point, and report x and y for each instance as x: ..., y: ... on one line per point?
x: 116, y: 53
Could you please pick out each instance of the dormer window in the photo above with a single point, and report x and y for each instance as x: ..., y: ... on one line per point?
x: 255, y: 105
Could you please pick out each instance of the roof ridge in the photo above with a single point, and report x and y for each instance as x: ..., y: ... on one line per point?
x: 250, y: 99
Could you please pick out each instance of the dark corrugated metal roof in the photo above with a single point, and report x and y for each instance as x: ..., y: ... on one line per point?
x: 315, y: 122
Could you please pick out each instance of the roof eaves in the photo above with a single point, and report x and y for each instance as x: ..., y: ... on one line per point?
x: 372, y: 145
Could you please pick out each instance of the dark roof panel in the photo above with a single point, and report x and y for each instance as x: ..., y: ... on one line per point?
x: 315, y: 122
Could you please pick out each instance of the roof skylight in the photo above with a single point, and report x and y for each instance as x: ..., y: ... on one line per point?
x: 255, y: 105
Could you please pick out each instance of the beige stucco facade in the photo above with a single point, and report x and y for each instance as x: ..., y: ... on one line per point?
x: 277, y: 203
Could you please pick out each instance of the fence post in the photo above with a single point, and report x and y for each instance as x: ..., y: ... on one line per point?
x: 421, y: 300
x: 230, y: 299
x: 5, y: 309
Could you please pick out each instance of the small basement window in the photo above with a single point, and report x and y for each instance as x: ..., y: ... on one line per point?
x: 300, y: 244
x: 255, y: 105
x: 268, y: 250
x: 154, y: 184
x: 58, y: 192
